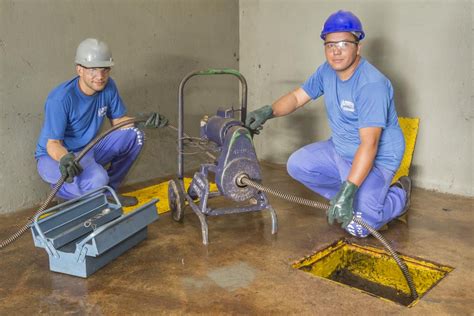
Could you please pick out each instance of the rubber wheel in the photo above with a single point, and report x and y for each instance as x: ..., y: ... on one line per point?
x: 176, y: 200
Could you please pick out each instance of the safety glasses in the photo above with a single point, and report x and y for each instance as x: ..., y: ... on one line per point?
x: 94, y: 72
x: 341, y: 45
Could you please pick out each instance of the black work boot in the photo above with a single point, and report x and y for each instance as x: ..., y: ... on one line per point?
x: 58, y: 200
x: 404, y: 183
x: 125, y: 200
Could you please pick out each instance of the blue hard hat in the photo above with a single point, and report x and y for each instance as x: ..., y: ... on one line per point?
x: 343, y: 21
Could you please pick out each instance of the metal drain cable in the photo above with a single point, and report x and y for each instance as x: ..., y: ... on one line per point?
x: 244, y: 180
x: 58, y: 185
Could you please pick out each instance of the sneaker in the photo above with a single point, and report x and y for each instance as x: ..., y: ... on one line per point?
x: 125, y: 200
x: 405, y: 184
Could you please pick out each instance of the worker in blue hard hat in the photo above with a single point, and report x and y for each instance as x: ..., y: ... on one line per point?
x: 74, y: 113
x: 355, y: 167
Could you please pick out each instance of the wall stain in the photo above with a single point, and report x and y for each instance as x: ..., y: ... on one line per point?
x: 27, y: 62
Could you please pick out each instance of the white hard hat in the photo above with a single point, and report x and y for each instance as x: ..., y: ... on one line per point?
x: 92, y: 52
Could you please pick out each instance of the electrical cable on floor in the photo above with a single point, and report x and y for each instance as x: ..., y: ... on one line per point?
x: 199, y: 145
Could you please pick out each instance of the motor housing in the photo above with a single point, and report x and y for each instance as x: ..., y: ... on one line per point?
x: 237, y: 154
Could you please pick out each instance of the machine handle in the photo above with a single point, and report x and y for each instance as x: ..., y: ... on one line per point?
x: 215, y: 71
x: 206, y: 72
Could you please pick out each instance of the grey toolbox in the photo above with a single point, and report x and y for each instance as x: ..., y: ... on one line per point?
x: 84, y: 234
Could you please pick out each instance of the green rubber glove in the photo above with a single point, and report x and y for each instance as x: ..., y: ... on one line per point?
x: 154, y: 120
x: 68, y: 167
x: 257, y: 118
x: 341, y: 208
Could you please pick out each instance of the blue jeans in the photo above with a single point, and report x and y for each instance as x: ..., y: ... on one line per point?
x: 120, y: 149
x: 322, y: 170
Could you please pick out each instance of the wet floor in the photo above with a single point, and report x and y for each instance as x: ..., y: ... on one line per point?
x: 244, y: 270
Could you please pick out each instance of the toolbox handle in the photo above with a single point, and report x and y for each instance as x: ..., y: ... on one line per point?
x: 43, y: 239
x: 82, y: 247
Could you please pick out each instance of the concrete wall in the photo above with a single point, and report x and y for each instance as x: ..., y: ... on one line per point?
x: 154, y: 44
x: 424, y: 47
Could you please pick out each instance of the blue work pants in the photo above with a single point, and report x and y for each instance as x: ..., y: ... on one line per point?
x: 118, y: 151
x: 323, y: 171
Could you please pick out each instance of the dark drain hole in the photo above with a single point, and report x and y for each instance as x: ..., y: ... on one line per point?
x: 346, y: 277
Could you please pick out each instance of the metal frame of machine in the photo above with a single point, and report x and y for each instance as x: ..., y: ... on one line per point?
x: 236, y: 158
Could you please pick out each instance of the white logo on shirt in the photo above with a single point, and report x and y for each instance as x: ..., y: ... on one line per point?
x: 347, y: 106
x: 102, y: 110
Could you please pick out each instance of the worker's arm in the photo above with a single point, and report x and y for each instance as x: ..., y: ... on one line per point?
x: 283, y: 106
x: 341, y: 208
x: 365, y: 154
x: 119, y: 120
x: 55, y: 149
x: 290, y: 102
x: 68, y: 167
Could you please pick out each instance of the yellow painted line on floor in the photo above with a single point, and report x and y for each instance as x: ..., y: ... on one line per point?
x: 157, y: 191
x: 409, y: 128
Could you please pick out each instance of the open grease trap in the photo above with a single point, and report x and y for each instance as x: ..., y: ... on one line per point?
x: 373, y: 271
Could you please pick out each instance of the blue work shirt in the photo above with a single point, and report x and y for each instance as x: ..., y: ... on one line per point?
x: 76, y: 118
x: 363, y: 100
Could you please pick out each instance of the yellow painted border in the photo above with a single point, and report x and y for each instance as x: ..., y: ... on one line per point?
x: 158, y: 191
x: 373, y: 264
x: 409, y: 128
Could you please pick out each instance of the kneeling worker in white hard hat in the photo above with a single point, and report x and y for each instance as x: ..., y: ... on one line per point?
x: 74, y: 113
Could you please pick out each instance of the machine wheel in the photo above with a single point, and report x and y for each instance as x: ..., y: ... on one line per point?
x: 176, y: 200
x: 192, y: 194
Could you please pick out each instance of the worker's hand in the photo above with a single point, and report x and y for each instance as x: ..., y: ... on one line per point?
x: 341, y: 208
x: 257, y: 118
x: 68, y: 167
x: 153, y: 120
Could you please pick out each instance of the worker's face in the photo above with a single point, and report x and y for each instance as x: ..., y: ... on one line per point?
x: 92, y: 80
x: 342, y: 51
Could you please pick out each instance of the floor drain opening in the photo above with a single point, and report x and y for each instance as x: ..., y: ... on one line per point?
x: 372, y: 270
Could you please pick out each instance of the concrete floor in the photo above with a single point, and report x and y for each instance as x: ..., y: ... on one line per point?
x: 244, y: 270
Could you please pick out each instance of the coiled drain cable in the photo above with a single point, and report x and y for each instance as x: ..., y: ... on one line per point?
x: 58, y: 185
x: 244, y: 180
